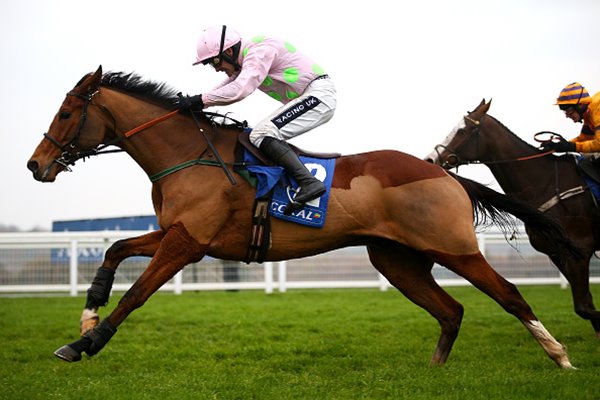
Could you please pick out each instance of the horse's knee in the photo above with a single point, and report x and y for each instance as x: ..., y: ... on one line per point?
x: 115, y: 250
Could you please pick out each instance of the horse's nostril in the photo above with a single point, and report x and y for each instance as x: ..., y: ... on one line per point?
x: 32, y: 165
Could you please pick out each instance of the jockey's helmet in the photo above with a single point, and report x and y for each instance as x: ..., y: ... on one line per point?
x: 573, y: 95
x: 214, y: 41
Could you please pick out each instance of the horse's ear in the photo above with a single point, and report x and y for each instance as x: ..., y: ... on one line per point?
x: 89, y: 83
x: 485, y: 107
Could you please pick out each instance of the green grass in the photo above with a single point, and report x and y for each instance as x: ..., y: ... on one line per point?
x: 309, y: 344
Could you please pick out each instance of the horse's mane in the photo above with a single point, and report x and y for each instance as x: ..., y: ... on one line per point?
x: 513, y: 134
x: 131, y: 83
x: 158, y: 93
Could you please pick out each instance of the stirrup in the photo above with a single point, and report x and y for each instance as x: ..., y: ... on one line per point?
x: 294, y: 205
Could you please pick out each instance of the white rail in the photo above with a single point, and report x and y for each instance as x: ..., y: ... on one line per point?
x: 27, y: 258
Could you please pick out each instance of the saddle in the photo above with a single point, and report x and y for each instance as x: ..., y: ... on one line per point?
x: 244, y: 141
x: 590, y: 167
x: 260, y: 237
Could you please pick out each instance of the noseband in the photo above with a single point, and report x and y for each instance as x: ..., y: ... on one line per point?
x: 70, y: 154
x: 453, y: 159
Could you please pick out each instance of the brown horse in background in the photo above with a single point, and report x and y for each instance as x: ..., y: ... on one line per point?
x: 548, y: 182
x: 409, y: 213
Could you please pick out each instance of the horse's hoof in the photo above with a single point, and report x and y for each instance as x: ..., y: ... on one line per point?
x: 68, y: 354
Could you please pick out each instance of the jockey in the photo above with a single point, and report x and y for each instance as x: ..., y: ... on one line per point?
x: 275, y: 67
x: 577, y: 105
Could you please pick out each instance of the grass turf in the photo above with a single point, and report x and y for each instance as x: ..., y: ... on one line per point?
x: 304, y: 344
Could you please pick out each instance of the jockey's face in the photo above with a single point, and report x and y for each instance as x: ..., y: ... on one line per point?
x: 222, y: 65
x: 226, y: 67
x: 573, y: 114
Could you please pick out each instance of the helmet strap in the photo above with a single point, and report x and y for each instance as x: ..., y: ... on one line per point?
x: 233, y: 58
x: 581, y: 109
x: 236, y: 51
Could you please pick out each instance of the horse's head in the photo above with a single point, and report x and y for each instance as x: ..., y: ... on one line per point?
x: 462, y: 145
x: 75, y: 132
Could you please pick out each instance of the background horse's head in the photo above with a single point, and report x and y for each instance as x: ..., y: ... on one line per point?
x: 78, y: 128
x: 463, y: 144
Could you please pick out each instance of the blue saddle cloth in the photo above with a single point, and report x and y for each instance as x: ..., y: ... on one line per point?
x: 283, y: 186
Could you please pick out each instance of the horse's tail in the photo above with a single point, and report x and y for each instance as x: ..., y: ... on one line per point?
x: 490, y: 206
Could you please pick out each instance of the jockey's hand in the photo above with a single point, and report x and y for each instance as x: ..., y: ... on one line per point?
x: 187, y: 103
x: 561, y: 146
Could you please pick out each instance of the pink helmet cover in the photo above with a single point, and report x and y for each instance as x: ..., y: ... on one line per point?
x: 209, y: 42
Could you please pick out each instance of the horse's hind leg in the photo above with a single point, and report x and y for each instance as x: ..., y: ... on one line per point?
x: 577, y: 273
x: 99, y: 292
x: 476, y: 270
x: 410, y: 272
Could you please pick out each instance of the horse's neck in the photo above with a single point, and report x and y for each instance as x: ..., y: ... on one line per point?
x: 519, y: 176
x: 161, y: 146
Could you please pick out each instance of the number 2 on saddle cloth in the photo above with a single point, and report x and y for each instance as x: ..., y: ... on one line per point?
x: 273, y: 180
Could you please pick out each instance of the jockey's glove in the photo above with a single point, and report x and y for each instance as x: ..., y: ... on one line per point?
x: 187, y: 103
x: 562, y: 146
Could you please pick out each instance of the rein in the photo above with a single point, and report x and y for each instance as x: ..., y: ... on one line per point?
x: 456, y: 156
x: 70, y: 155
x: 556, y: 199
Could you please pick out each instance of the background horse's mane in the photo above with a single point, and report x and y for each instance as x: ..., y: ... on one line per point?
x: 512, y: 133
x: 156, y: 92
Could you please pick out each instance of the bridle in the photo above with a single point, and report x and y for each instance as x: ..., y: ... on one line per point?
x: 453, y: 160
x: 70, y: 153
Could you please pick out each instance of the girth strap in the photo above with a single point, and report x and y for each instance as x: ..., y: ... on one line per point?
x: 260, y: 239
x: 562, y: 196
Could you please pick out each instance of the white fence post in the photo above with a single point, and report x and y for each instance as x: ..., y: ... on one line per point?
x: 563, y: 281
x: 282, y: 275
x: 73, y: 267
x: 268, y: 277
x: 383, y: 283
x: 481, y: 242
x: 178, y: 282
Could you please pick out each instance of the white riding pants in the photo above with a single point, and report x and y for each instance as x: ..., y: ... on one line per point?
x: 313, y: 108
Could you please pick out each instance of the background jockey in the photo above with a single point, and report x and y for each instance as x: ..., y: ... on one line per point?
x: 275, y: 67
x: 577, y: 105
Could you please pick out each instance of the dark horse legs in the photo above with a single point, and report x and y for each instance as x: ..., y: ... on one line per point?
x: 176, y: 250
x: 577, y: 273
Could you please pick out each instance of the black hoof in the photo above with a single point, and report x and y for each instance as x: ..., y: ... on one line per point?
x: 68, y: 354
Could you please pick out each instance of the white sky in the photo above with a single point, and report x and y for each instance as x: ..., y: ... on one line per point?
x: 406, y: 72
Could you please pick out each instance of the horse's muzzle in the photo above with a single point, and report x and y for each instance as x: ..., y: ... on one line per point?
x: 41, y: 175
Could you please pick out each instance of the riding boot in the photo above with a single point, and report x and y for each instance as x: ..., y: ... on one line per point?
x: 281, y: 154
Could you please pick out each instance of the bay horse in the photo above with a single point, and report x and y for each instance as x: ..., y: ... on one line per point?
x: 407, y: 212
x: 543, y: 180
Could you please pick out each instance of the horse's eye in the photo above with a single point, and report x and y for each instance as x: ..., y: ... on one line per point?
x: 461, y: 131
x: 64, y: 115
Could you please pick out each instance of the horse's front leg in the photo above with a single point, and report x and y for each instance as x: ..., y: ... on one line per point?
x: 99, y: 292
x: 176, y: 250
